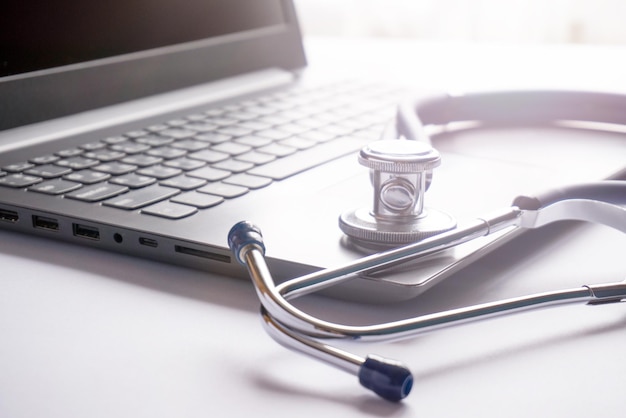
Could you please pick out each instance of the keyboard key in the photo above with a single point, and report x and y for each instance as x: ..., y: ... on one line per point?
x: 136, y: 134
x: 199, y: 200
x: 215, y: 112
x: 253, y: 141
x: 157, y: 127
x: 246, y: 180
x: 138, y: 198
x: 87, y: 176
x: 154, y: 141
x: 255, y: 157
x: 235, y: 131
x: 277, y: 150
x: 48, y: 171
x: 285, y: 167
x: 44, y: 159
x: 18, y: 167
x: 231, y: 148
x: 93, y: 146
x: 241, y: 115
x: 273, y: 120
x: 185, y: 163
x: 190, y: 145
x: 77, y: 163
x: 142, y: 160
x: 312, y: 123
x: 129, y: 147
x: 70, y: 152
x: 169, y: 210
x: 297, y: 142
x: 294, y: 128
x: 177, y: 122
x: 209, y: 173
x: 55, y: 187
x: 228, y: 191
x: 254, y: 125
x: 213, y: 138
x: 233, y: 166
x: 222, y: 121
x: 178, y: 133
x: 167, y: 152
x: 115, y: 139
x: 96, y: 192
x: 183, y: 182
x: 115, y: 168
x: 19, y: 180
x: 261, y: 110
x: 196, y: 117
x: 209, y: 156
x: 201, y: 126
x: 132, y: 180
x: 274, y: 134
x: 105, y: 155
x: 159, y: 171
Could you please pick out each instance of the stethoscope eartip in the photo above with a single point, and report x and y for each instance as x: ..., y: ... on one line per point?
x: 387, y: 378
x: 243, y: 235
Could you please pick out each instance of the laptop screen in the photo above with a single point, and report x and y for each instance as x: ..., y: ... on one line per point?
x: 62, y: 57
x: 47, y: 34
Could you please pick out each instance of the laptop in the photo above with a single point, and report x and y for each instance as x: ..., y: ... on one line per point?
x: 151, y: 129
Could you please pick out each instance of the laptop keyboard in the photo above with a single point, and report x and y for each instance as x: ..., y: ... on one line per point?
x: 183, y: 165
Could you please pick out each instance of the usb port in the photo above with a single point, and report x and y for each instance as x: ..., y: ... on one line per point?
x: 8, y: 216
x: 43, y: 222
x: 85, y: 231
x: 148, y: 242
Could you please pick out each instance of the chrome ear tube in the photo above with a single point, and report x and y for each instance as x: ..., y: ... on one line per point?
x: 391, y: 380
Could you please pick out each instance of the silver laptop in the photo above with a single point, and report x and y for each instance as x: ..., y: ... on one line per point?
x: 150, y: 129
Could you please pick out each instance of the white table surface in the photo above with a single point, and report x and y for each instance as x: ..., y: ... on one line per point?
x: 85, y: 333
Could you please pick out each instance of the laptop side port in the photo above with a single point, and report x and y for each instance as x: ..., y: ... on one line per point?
x: 9, y: 216
x: 85, y: 231
x: 43, y: 222
x: 201, y: 253
x: 148, y: 242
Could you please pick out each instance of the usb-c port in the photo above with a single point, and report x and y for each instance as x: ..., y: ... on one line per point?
x: 148, y: 242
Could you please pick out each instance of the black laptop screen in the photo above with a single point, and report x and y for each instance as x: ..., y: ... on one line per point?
x: 37, y: 35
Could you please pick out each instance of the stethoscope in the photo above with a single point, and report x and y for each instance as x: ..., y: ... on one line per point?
x: 400, y: 172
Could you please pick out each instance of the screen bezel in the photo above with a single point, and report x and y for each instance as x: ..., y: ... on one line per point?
x: 47, y: 94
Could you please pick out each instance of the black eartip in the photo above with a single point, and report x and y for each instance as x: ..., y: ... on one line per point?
x: 241, y: 235
x: 389, y: 379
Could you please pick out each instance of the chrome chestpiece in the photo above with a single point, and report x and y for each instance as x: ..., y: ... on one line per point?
x: 400, y: 172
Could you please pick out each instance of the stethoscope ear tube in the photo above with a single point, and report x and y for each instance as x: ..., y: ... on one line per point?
x: 612, y: 192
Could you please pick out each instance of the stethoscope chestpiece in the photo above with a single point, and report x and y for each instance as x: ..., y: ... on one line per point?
x: 399, y: 172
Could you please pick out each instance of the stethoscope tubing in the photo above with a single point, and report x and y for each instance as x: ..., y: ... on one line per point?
x: 299, y: 331
x: 598, y: 202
